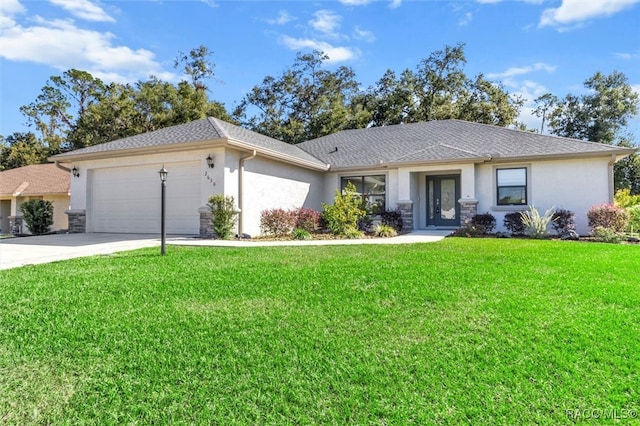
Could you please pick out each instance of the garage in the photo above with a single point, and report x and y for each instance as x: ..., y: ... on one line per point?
x: 127, y: 199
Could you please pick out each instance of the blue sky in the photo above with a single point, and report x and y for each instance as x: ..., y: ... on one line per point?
x: 531, y: 46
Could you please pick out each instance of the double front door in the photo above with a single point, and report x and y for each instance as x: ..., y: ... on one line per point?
x: 443, y: 193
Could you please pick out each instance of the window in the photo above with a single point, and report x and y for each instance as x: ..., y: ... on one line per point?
x: 512, y: 186
x: 371, y: 188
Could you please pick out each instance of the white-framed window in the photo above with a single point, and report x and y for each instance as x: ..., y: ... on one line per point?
x: 372, y: 189
x: 511, y: 186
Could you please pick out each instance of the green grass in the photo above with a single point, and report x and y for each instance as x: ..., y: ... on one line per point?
x: 465, y: 331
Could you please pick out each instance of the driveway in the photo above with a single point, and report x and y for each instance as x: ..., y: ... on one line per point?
x: 22, y: 251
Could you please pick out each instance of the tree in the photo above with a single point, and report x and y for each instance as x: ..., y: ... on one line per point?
x: 21, y: 149
x: 305, y: 102
x: 601, y: 115
x: 53, y: 113
x: 196, y: 65
x: 544, y: 105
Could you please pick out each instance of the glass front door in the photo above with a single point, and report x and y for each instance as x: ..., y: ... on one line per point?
x: 443, y: 193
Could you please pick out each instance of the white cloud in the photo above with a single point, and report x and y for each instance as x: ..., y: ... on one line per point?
x: 283, y: 18
x: 394, y: 4
x: 627, y: 55
x: 212, y: 4
x: 355, y: 2
x: 360, y: 34
x: 335, y: 53
x: 572, y: 12
x: 84, y: 9
x: 465, y: 19
x: 516, y: 71
x: 326, y: 21
x: 62, y: 45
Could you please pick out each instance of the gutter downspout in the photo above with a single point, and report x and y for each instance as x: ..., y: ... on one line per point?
x: 240, y: 195
x: 60, y: 166
x: 611, y: 184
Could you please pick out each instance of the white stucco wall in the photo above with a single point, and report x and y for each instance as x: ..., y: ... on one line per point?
x: 269, y: 184
x: 574, y: 185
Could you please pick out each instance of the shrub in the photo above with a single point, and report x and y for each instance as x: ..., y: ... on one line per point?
x: 608, y: 216
x: 563, y: 221
x: 301, y: 234
x: 634, y: 218
x: 513, y: 223
x: 38, y: 214
x: 352, y: 233
x: 308, y: 219
x: 606, y: 235
x: 624, y: 199
x: 343, y: 214
x: 277, y: 222
x: 535, y: 225
x: 392, y: 218
x: 483, y: 223
x: 385, y: 231
x: 223, y: 215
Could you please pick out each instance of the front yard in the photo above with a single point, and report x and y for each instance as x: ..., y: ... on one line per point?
x: 464, y: 331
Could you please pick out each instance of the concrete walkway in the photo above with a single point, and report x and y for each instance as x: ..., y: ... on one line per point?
x: 15, y: 252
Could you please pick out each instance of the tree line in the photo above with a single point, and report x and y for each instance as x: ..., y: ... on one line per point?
x: 308, y: 100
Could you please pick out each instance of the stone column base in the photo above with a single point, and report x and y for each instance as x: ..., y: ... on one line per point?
x: 77, y: 221
x: 206, y: 224
x: 406, y: 211
x: 15, y: 225
x: 468, y: 209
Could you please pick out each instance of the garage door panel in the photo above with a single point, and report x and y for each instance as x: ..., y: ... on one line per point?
x: 127, y: 199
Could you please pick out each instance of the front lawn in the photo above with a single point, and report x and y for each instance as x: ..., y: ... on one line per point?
x: 464, y: 331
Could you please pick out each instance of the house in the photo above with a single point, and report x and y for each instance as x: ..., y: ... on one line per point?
x: 39, y: 181
x: 437, y: 173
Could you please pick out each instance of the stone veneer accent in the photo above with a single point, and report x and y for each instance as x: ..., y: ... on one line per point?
x: 406, y: 211
x: 77, y: 221
x: 206, y: 224
x: 468, y: 208
x: 15, y: 225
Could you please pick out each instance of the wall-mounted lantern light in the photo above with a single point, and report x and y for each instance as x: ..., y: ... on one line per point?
x: 75, y: 171
x: 210, y: 161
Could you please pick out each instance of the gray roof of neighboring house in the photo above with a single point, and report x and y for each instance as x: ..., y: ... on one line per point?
x: 206, y: 129
x: 441, y: 141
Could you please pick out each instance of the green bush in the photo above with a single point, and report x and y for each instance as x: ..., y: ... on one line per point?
x: 535, y: 224
x: 223, y: 215
x: 606, y: 235
x: 352, y: 233
x: 624, y: 199
x: 301, y: 234
x: 608, y: 216
x: 385, y: 231
x: 513, y: 223
x: 634, y: 218
x: 344, y: 213
x: 38, y: 214
x: 484, y: 223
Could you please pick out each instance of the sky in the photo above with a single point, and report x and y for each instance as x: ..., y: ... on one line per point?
x: 530, y: 46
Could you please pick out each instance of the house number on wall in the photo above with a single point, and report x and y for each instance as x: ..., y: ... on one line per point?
x: 209, y: 178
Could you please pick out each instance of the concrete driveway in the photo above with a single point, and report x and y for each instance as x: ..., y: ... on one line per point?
x: 22, y: 251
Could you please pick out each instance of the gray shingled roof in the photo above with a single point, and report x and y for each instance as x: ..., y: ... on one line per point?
x: 207, y: 129
x: 447, y: 140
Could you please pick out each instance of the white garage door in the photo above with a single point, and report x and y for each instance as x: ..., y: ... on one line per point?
x: 127, y: 199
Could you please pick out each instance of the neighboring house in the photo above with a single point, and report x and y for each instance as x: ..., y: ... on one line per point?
x: 39, y: 181
x: 438, y: 173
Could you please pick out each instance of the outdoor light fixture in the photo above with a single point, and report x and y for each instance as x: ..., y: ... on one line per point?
x: 163, y: 235
x: 75, y: 171
x: 210, y: 161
